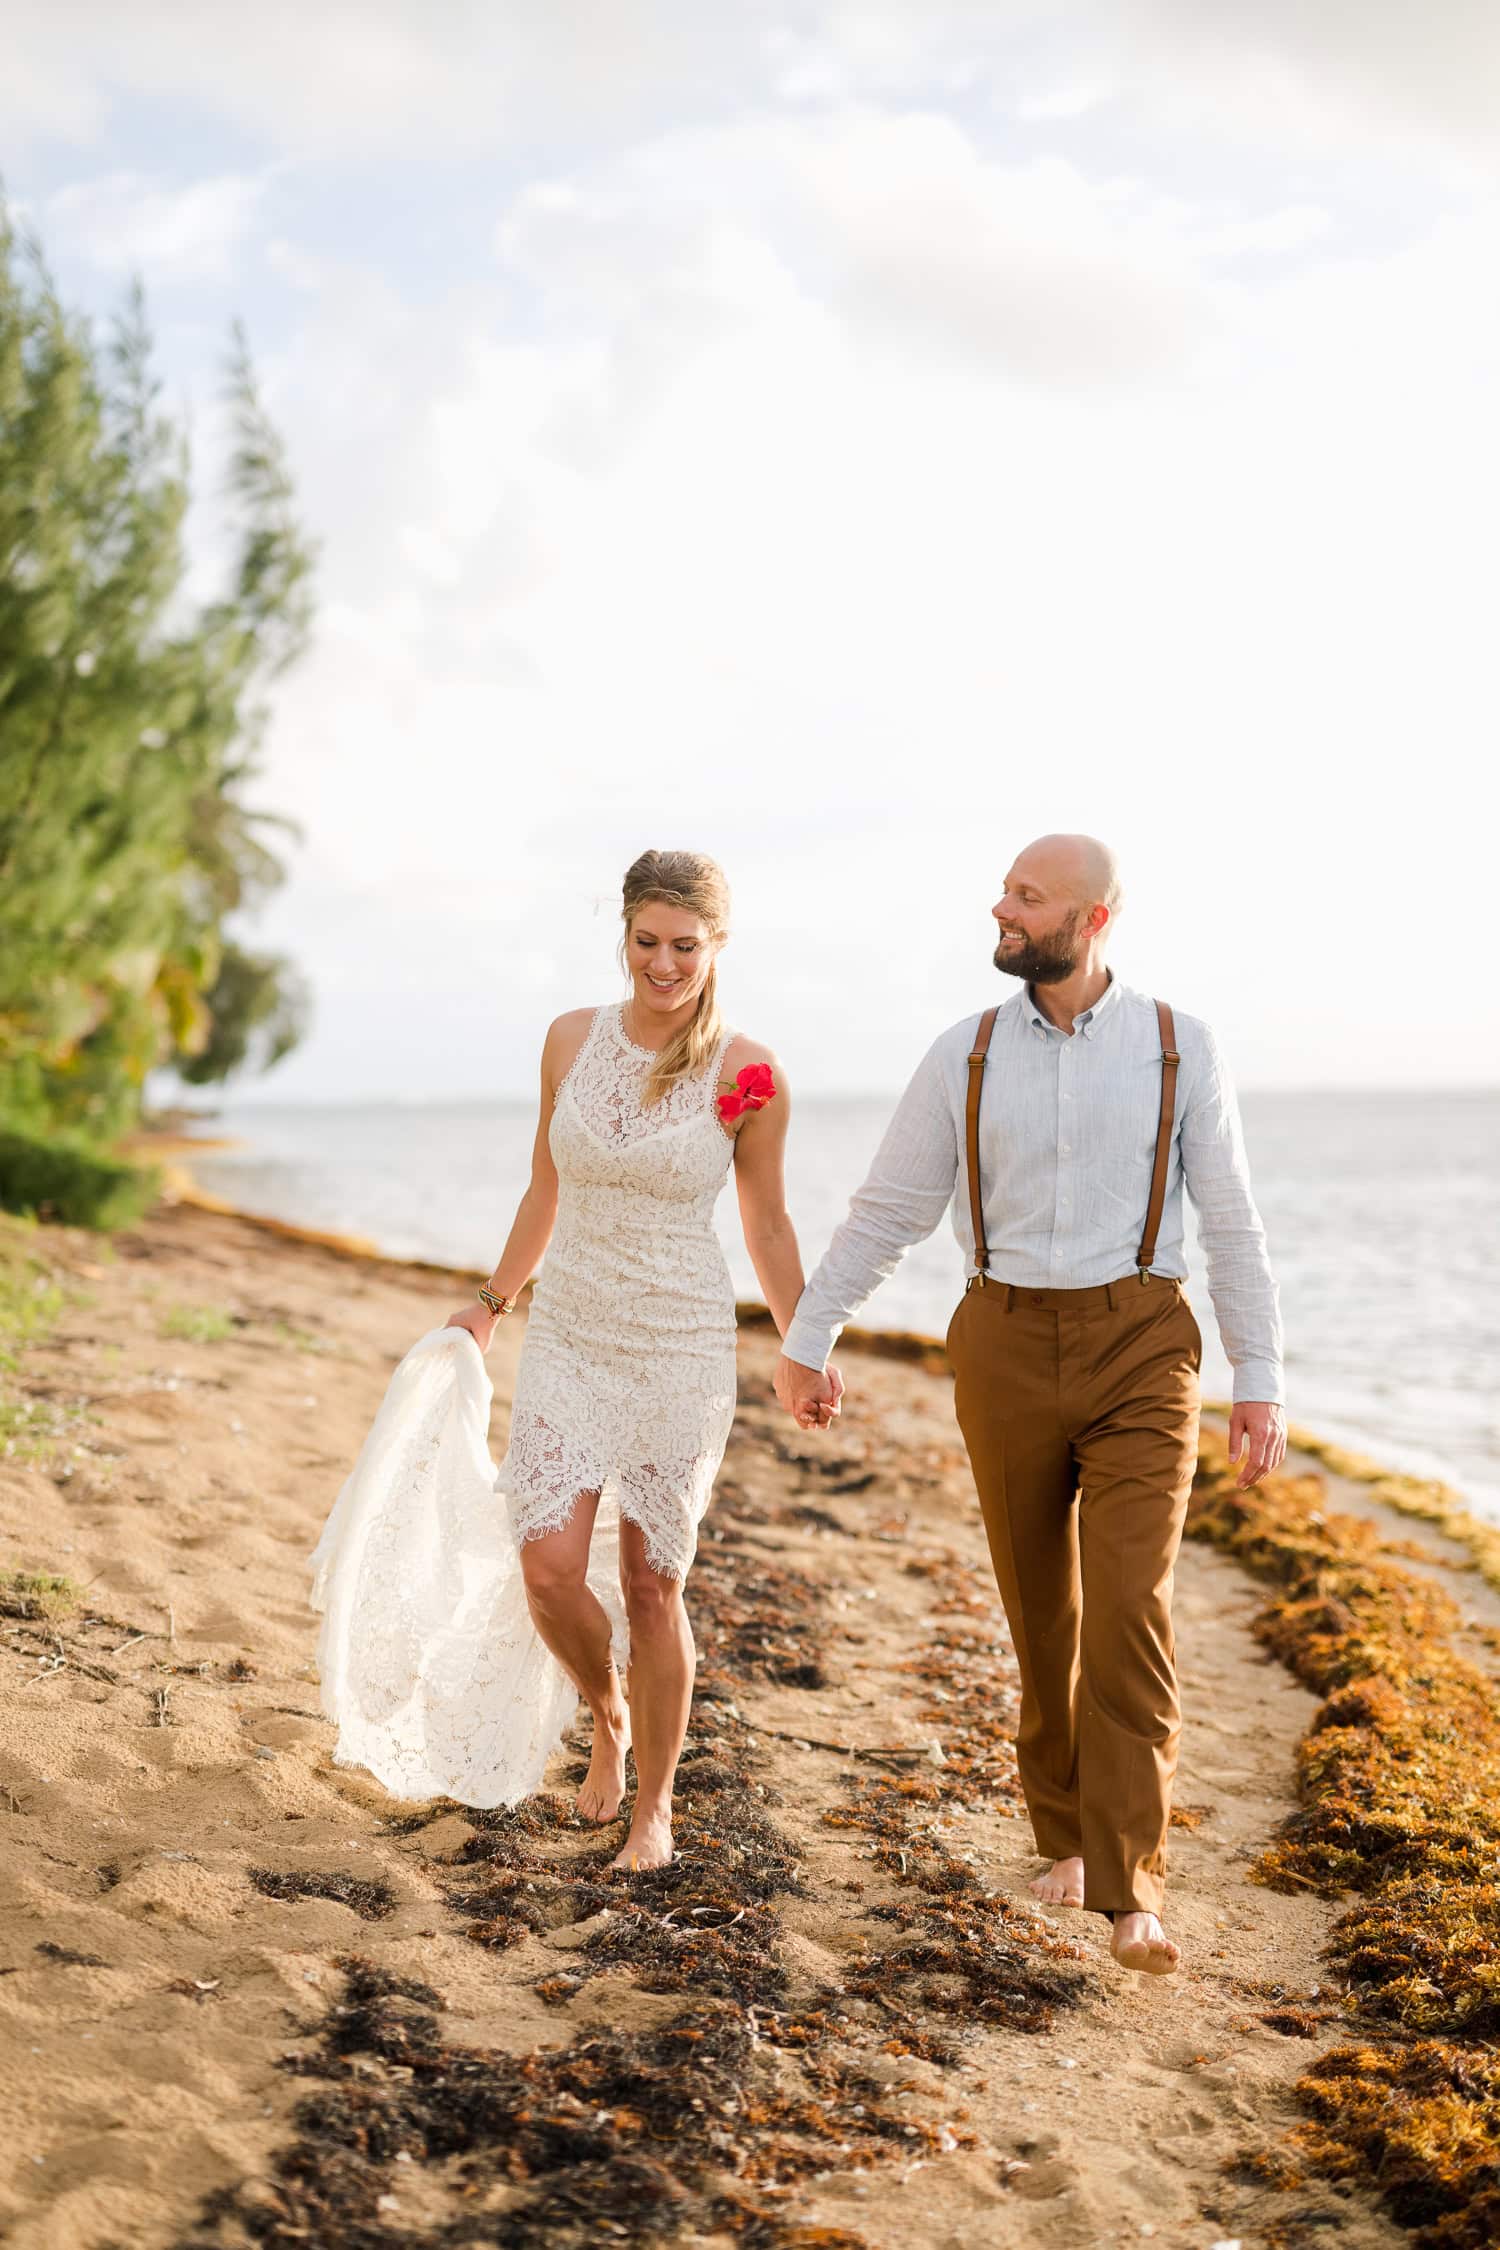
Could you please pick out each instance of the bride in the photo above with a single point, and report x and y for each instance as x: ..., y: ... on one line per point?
x: 458, y: 1631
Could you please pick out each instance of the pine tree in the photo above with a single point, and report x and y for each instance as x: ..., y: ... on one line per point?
x: 129, y: 734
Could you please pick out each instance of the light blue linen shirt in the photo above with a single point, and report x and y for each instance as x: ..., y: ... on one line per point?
x: 1067, y: 1134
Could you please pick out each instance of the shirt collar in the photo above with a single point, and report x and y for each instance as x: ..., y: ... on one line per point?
x: 1088, y: 1022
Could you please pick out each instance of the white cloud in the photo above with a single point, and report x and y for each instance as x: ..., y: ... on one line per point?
x: 851, y: 483
x: 373, y: 76
x: 383, y: 76
x: 1268, y: 234
x: 1034, y: 269
x: 713, y: 556
x: 1375, y: 68
x: 1059, y: 102
x: 124, y: 222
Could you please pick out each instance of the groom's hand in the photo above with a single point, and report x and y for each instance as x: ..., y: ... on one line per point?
x: 812, y: 1399
x: 1258, y: 1430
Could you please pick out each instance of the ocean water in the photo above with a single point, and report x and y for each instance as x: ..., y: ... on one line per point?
x: 1382, y: 1210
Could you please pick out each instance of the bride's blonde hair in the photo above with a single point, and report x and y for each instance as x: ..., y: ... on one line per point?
x: 693, y: 884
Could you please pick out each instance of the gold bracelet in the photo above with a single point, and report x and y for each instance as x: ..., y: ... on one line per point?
x: 499, y: 1306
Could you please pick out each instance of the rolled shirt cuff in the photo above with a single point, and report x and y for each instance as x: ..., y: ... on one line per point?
x: 809, y: 1342
x: 1259, y: 1380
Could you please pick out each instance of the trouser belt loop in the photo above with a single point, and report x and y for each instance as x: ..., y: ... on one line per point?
x: 1109, y: 1296
x: 1010, y: 1295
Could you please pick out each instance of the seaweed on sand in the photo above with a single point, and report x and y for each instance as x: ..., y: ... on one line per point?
x: 707, y: 2122
x: 704, y: 1924
x: 1400, y: 1786
x: 967, y: 1955
x: 371, y: 1899
x: 1421, y: 2120
x: 763, y: 1628
x: 619, y: 2138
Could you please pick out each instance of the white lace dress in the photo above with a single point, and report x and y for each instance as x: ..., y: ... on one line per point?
x: 626, y: 1383
x: 428, y: 1659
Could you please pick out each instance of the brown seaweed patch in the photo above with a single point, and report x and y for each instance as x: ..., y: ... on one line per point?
x: 712, y: 1949
x: 68, y: 1958
x: 1423, y: 1497
x: 983, y: 1961
x: 1422, y: 2121
x: 967, y: 1954
x: 1416, y: 1961
x: 371, y: 1899
x: 764, y: 1628
x: 1294, y: 2023
x: 637, y: 2139
x: 1400, y: 1785
x: 815, y: 1519
x: 706, y: 2125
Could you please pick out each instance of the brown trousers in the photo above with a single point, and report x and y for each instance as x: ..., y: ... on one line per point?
x: 1087, y: 1396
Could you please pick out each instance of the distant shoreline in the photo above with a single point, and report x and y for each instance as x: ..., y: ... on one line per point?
x: 527, y: 1098
x: 1429, y: 1499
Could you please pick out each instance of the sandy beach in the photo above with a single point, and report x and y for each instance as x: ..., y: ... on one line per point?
x: 248, y: 1997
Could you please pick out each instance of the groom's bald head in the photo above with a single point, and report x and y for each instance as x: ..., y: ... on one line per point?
x: 1086, y: 869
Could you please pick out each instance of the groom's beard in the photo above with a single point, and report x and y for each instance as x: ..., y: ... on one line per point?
x: 1042, y: 960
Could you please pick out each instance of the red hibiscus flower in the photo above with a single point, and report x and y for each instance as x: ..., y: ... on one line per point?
x: 753, y: 1088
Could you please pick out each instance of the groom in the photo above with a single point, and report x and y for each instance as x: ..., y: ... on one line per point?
x: 1063, y: 1127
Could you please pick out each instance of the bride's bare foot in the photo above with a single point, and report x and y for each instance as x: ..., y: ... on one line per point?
x: 604, y: 1784
x: 1138, y: 1941
x: 1062, y: 1885
x: 649, y: 1843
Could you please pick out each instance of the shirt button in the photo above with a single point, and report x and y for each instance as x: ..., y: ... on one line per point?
x: 1067, y: 1148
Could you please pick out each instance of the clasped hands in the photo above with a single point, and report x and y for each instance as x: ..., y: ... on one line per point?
x: 812, y: 1399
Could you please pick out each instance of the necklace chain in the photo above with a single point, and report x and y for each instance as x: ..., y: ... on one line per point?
x: 635, y: 1044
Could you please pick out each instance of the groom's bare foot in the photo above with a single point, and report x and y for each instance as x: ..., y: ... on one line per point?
x: 604, y: 1784
x: 1062, y: 1885
x: 1138, y: 1941
x: 649, y: 1843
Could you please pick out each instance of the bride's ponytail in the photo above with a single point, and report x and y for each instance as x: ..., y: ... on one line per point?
x: 693, y: 884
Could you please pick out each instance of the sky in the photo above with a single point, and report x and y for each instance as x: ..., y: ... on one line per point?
x: 850, y: 439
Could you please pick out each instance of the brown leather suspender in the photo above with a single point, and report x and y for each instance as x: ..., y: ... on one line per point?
x: 971, y: 1126
x: 1169, y: 1061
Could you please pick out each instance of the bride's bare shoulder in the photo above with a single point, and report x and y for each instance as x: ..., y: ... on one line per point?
x: 573, y: 1024
x: 565, y: 1037
x: 743, y: 1053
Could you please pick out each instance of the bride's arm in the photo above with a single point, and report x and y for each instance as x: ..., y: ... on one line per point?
x: 536, y: 1213
x: 760, y: 1181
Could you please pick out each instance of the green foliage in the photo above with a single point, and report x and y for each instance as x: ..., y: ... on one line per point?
x: 35, y: 1594
x: 68, y: 1182
x: 130, y: 725
x: 30, y: 1300
x: 255, y: 1005
x: 198, y: 1324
